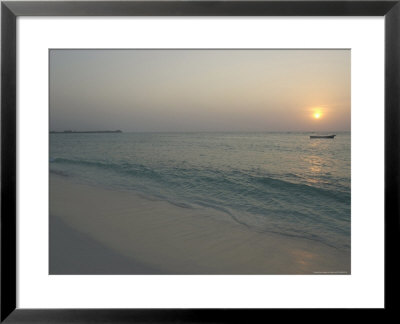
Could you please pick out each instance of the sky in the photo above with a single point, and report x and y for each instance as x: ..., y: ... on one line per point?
x: 200, y: 90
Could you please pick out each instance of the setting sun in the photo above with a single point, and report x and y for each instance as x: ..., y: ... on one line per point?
x: 317, y: 115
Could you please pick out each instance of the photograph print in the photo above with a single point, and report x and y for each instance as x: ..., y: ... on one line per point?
x: 199, y: 161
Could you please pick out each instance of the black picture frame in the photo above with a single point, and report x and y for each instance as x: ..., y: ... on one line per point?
x: 9, y: 13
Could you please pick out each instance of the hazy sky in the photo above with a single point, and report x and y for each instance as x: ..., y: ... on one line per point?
x: 200, y: 90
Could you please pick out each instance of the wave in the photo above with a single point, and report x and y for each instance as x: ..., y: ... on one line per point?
x: 60, y: 173
x: 197, y: 175
x: 291, y: 186
x: 253, y: 199
x: 124, y: 167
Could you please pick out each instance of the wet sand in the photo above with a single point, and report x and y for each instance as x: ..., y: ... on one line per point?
x: 94, y: 230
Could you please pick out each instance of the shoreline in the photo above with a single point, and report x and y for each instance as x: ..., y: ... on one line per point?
x: 157, y: 237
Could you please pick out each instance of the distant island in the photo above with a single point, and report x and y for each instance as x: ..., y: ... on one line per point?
x: 85, y: 132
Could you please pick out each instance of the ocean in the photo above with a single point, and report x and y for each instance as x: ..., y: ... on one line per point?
x: 282, y: 183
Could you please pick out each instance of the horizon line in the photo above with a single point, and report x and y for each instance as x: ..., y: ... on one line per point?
x: 207, y: 131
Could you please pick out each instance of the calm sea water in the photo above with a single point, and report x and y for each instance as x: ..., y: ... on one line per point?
x: 269, y: 182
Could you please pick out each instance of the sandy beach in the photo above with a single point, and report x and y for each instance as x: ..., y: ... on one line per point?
x: 94, y: 230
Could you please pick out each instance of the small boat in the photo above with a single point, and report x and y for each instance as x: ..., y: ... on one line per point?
x: 322, y: 136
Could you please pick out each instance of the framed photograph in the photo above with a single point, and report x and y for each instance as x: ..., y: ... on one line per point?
x: 193, y: 161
